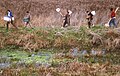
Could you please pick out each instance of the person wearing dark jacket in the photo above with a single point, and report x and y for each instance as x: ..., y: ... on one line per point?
x: 66, y: 19
x: 26, y: 19
x: 89, y: 19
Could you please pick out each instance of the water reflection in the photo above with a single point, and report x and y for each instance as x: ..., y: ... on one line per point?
x: 4, y: 65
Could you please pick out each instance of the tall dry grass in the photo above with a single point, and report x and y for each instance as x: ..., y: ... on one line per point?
x: 44, y: 14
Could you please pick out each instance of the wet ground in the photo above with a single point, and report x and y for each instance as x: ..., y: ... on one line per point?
x: 18, y: 58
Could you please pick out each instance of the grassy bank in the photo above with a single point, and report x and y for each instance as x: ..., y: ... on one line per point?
x: 28, y: 39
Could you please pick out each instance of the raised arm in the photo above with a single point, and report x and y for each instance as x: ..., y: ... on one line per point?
x: 116, y: 9
x: 61, y: 14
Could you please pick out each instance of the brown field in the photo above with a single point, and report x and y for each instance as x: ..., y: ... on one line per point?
x: 44, y: 14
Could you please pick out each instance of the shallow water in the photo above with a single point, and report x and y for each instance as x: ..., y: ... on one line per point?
x: 22, y: 58
x: 4, y: 65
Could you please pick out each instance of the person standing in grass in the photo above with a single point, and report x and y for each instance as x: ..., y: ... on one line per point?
x: 11, y: 19
x: 113, y: 17
x: 89, y: 19
x: 66, y: 19
x: 26, y: 19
